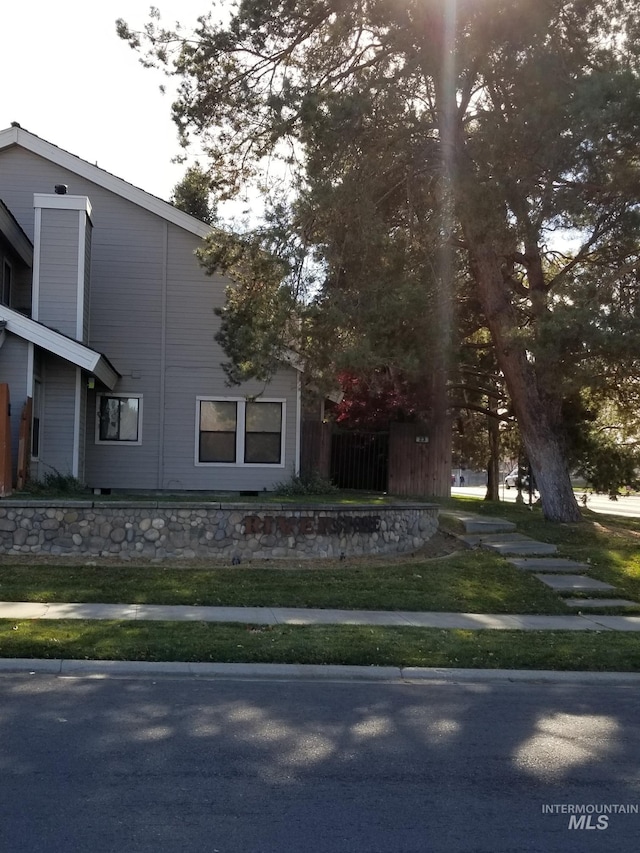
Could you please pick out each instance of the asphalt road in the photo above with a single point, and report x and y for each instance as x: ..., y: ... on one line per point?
x: 166, y: 765
x: 629, y: 506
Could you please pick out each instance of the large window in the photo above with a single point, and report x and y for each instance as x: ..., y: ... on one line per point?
x: 119, y: 419
x: 240, y: 432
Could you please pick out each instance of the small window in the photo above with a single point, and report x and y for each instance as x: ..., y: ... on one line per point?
x: 239, y: 432
x: 119, y: 419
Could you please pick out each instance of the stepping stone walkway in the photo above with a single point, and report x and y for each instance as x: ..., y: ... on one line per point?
x: 526, y: 554
x: 555, y: 565
x: 574, y: 583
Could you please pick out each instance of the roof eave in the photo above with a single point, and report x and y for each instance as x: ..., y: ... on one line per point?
x: 67, y: 348
x: 31, y: 142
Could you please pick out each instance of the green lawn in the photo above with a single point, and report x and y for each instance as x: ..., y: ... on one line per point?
x: 469, y: 581
x: 354, y: 645
x: 472, y: 581
x: 609, y: 544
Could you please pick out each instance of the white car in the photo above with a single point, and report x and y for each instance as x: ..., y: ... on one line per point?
x: 511, y: 480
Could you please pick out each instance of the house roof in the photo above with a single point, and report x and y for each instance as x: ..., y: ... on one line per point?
x: 59, y: 344
x: 16, y: 135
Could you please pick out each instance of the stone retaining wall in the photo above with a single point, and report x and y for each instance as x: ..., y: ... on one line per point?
x: 157, y: 530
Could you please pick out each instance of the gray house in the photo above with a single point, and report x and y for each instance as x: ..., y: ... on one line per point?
x: 107, y: 323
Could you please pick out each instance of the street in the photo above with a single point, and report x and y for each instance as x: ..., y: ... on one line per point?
x: 167, y: 764
x: 628, y: 506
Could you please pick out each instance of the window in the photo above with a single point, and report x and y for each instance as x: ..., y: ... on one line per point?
x: 119, y: 419
x: 239, y: 432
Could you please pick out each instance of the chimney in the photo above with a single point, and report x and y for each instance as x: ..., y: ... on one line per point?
x: 62, y: 262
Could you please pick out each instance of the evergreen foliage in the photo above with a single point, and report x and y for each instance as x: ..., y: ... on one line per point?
x: 441, y: 150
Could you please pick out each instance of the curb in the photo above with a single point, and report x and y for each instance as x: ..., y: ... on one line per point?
x: 308, y: 672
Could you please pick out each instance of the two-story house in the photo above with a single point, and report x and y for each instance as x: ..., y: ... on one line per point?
x: 107, y: 324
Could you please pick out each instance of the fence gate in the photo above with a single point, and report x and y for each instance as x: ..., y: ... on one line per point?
x: 360, y: 460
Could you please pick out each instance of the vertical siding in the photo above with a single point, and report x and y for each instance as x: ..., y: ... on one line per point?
x: 59, y: 391
x: 417, y: 468
x: 194, y: 368
x: 58, y: 294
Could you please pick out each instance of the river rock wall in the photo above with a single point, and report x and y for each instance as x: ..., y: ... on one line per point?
x: 243, y: 531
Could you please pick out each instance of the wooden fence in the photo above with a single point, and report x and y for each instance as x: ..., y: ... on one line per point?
x: 415, y: 461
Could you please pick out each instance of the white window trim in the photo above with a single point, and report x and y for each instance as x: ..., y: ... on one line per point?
x: 126, y: 396
x: 240, y: 433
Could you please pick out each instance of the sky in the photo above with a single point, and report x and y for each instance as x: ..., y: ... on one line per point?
x: 67, y: 77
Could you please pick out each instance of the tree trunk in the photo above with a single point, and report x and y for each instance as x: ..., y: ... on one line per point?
x: 493, y: 465
x: 534, y: 411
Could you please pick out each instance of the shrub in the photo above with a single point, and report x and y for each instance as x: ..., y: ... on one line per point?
x: 54, y: 483
x: 306, y: 484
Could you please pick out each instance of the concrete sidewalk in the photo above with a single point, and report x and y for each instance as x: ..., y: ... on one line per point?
x: 307, y: 616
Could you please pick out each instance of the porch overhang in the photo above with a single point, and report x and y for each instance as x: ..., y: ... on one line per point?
x: 54, y: 342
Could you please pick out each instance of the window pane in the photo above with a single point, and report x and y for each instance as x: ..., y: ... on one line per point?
x: 217, y: 447
x: 119, y: 418
x: 262, y: 447
x: 264, y: 417
x: 109, y: 418
x: 128, y: 419
x: 218, y: 416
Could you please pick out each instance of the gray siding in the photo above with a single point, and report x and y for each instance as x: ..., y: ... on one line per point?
x: 151, y: 313
x: 58, y: 299
x: 193, y: 369
x: 56, y: 442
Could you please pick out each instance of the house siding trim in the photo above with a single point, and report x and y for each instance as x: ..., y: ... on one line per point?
x: 75, y: 459
x: 35, y: 288
x: 62, y: 202
x: 163, y: 350
x: 82, y: 236
x: 30, y: 368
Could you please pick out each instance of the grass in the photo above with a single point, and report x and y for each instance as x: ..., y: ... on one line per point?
x: 353, y: 645
x: 36, y: 493
x: 466, y: 581
x: 470, y: 581
x: 609, y: 544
